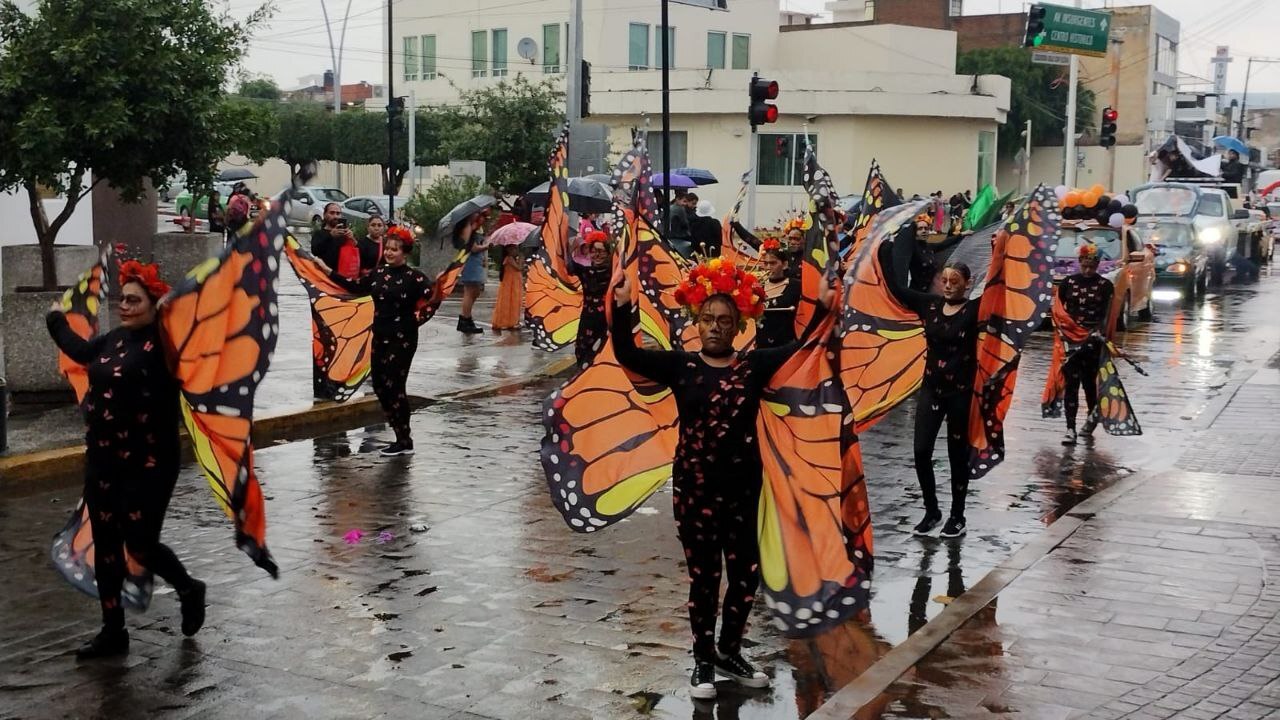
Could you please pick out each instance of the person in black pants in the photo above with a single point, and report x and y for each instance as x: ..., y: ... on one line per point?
x: 398, y: 292
x: 592, y: 324
x: 716, y: 475
x: 951, y: 362
x: 1086, y: 296
x: 132, y: 454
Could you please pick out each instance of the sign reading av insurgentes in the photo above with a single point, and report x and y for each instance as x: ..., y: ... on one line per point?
x: 1075, y: 31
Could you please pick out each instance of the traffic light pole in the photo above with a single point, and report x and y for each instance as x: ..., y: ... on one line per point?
x: 391, y: 119
x: 1069, y: 165
x: 666, y: 120
x: 1115, y: 104
x: 753, y: 154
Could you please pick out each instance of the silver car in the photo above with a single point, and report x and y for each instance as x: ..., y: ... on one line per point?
x: 308, y: 204
x: 363, y: 207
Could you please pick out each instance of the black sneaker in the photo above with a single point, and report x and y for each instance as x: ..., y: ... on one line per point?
x: 736, y: 667
x: 1069, y: 438
x: 395, y: 449
x: 954, y: 528
x: 1089, y: 426
x: 927, y: 525
x: 702, y: 684
x: 468, y: 326
x: 108, y: 643
x: 192, y: 602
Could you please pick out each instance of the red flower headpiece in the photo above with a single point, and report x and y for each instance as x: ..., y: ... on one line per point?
x: 146, y: 275
x: 401, y: 233
x: 793, y: 224
x: 770, y: 245
x: 597, y: 236
x: 1087, y: 251
x: 717, y: 277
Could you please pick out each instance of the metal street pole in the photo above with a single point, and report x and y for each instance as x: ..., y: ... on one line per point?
x: 391, y: 119
x: 1115, y: 105
x: 412, y: 114
x: 1026, y: 161
x: 573, y: 73
x: 666, y: 119
x: 1244, y: 99
x: 335, y: 55
x: 1069, y: 165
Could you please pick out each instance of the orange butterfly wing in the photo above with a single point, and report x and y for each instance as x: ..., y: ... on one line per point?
x: 73, y: 555
x: 81, y: 304
x: 816, y: 552
x: 1114, y: 411
x: 342, y: 326
x: 881, y: 343
x: 220, y: 325
x: 1015, y: 300
x: 552, y: 295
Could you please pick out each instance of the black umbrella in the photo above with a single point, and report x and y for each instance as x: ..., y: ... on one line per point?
x: 697, y: 175
x: 463, y: 211
x: 586, y: 195
x: 235, y: 173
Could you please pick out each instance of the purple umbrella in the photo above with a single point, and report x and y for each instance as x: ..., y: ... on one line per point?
x: 677, y: 181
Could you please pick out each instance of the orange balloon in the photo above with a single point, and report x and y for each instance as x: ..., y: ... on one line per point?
x: 1098, y: 190
x: 1072, y: 198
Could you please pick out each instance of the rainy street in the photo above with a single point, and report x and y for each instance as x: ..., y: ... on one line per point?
x: 445, y: 585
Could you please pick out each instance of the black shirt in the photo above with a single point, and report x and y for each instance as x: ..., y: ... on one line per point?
x: 778, y: 324
x: 396, y: 290
x: 706, y: 234
x: 1087, y: 300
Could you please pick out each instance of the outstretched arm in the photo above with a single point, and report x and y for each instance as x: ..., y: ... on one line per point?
x: 896, y: 274
x: 662, y: 366
x: 72, y: 345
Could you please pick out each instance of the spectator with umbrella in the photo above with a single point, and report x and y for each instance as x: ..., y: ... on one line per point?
x: 509, y: 308
x: 465, y: 226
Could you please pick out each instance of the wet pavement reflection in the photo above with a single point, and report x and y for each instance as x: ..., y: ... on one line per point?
x: 464, y: 591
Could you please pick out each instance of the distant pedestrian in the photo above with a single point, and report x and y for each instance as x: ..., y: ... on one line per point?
x: 705, y: 230
x: 470, y: 234
x: 777, y: 326
x: 509, y: 307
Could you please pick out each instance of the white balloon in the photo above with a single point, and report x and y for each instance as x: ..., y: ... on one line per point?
x: 1061, y: 191
x: 1124, y: 199
x: 1116, y: 220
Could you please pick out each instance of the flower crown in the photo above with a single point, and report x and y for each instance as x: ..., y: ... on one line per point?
x: 146, y: 275
x: 718, y: 277
x: 596, y: 236
x: 793, y: 224
x: 1087, y: 251
x: 771, y: 245
x: 401, y: 233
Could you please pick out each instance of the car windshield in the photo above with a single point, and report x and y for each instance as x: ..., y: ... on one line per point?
x: 330, y: 194
x: 1211, y: 205
x: 1165, y: 201
x: 1170, y: 235
x: 1107, y: 240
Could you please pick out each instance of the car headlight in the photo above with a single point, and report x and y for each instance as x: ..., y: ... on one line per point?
x: 1178, y: 268
x: 1210, y: 235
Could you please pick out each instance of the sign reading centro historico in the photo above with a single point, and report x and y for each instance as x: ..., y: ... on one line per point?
x: 1075, y: 31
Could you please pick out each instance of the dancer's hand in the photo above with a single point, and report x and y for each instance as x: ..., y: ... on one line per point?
x: 56, y: 306
x: 622, y: 293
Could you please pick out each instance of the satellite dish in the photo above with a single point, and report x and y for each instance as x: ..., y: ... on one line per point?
x: 527, y: 48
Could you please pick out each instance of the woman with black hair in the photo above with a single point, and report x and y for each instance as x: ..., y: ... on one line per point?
x: 782, y: 296
x: 951, y: 359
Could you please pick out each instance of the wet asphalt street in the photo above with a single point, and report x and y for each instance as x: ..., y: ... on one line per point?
x: 497, y: 610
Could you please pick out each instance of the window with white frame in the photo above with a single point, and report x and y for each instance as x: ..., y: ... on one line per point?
x: 479, y: 54
x: 428, y: 57
x: 679, y: 149
x: 551, y: 48
x: 500, y: 52
x: 780, y: 158
x: 957, y: 8
x: 411, y: 58
x: 741, y: 51
x: 716, y: 42
x: 638, y: 46
x: 986, y: 158
x: 671, y: 47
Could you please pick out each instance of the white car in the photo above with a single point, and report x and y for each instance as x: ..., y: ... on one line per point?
x: 308, y: 204
x: 1210, y: 212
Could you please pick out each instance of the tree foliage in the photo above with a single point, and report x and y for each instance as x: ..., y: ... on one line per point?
x: 305, y: 134
x: 1033, y: 96
x: 509, y: 126
x: 259, y: 88
x: 123, y: 89
x: 426, y: 208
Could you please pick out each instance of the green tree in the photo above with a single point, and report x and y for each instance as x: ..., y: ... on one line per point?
x: 426, y: 208
x: 122, y: 90
x: 259, y: 88
x: 1036, y: 94
x: 509, y: 126
x: 305, y: 134
x: 362, y: 140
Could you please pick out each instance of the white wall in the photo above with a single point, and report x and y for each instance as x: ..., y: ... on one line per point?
x: 1047, y: 166
x: 869, y: 48
x: 16, y: 227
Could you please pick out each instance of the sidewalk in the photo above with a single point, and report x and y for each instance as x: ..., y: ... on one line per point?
x: 447, y: 362
x: 1158, y: 598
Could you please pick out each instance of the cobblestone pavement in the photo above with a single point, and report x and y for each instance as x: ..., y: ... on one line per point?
x: 498, y: 611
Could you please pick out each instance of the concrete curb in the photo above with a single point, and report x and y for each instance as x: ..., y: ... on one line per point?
x: 877, y: 679
x: 45, y: 468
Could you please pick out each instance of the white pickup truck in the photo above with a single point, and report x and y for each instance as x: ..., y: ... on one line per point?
x: 1225, y: 232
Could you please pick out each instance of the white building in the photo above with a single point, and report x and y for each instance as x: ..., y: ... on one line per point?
x: 887, y: 91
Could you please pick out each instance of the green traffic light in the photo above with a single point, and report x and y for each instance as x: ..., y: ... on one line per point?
x: 1038, y: 40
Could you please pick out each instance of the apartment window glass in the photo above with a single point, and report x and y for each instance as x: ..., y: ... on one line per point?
x: 781, y: 156
x: 411, y: 58
x: 741, y: 52
x: 551, y: 48
x: 428, y: 57
x: 869, y: 11
x: 638, y: 46
x: 986, y: 158
x: 679, y: 149
x: 957, y: 8
x: 479, y: 54
x: 1166, y: 56
x: 499, y: 52
x: 671, y: 47
x: 715, y: 50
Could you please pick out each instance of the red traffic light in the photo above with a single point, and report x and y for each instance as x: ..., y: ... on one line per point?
x: 762, y: 89
x: 1109, y: 115
x: 760, y: 111
x: 771, y: 114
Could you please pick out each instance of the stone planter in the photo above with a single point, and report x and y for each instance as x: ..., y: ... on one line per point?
x: 21, y: 265
x: 177, y: 252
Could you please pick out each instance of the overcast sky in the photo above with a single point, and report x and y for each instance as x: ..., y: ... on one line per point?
x: 296, y: 44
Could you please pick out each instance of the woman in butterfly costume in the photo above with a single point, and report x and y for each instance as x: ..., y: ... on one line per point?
x: 592, y: 323
x: 782, y: 297
x: 132, y: 453
x: 951, y: 361
x: 717, y: 469
x: 402, y: 300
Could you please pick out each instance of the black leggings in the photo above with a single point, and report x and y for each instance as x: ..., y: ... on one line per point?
x: 1080, y: 371
x: 715, y: 521
x: 126, y: 509
x: 392, y: 357
x: 932, y: 409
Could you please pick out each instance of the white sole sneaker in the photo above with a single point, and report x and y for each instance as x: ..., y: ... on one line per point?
x: 702, y: 692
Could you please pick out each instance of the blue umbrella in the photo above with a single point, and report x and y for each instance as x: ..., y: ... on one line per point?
x: 1231, y: 143
x: 677, y: 181
x: 697, y: 175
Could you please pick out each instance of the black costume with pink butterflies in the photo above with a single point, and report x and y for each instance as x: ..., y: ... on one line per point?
x: 716, y: 476
x: 131, y: 453
x: 592, y: 323
x: 398, y: 292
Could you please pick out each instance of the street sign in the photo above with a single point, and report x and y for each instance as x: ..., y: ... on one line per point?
x: 1050, y: 58
x: 1076, y: 32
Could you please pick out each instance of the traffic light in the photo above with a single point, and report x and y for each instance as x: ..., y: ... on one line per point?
x: 1035, y: 27
x: 761, y: 111
x: 586, y: 89
x: 396, y: 107
x: 1107, y: 133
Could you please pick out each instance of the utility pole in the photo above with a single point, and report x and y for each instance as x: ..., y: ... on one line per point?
x: 1069, y: 169
x: 1026, y: 159
x: 666, y: 119
x: 411, y: 115
x: 573, y: 71
x: 335, y: 55
x: 1244, y: 99
x: 391, y: 118
x: 1116, y: 42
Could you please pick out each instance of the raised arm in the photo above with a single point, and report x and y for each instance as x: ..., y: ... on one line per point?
x: 661, y: 366
x: 72, y: 345
x: 896, y: 272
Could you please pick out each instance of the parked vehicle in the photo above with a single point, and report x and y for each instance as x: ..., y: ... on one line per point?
x: 182, y: 204
x: 1182, y: 265
x: 1260, y: 236
x: 1209, y: 210
x: 308, y: 203
x: 363, y: 207
x: 1123, y: 259
x: 174, y: 187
